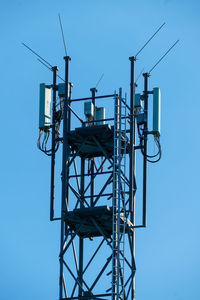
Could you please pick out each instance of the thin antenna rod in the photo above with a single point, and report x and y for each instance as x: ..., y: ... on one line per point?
x: 150, y: 39
x: 139, y: 75
x: 99, y: 80
x: 164, y: 56
x: 44, y: 64
x: 37, y: 55
x: 62, y: 34
x: 50, y: 69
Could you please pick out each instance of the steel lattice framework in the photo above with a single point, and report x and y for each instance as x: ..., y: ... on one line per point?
x: 97, y: 236
x: 105, y: 218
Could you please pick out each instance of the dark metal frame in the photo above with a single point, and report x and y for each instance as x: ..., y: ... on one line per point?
x: 74, y: 233
x: 81, y: 289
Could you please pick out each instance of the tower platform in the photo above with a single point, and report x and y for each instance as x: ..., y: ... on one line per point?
x: 92, y: 137
x: 94, y: 221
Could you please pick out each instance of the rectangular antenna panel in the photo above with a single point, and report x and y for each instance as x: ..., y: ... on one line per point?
x: 89, y: 110
x: 45, y: 107
x: 140, y: 119
x: 138, y: 102
x: 61, y: 89
x: 100, y: 113
x: 156, y: 111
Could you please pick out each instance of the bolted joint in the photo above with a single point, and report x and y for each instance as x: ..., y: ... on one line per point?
x: 132, y: 58
x: 55, y: 68
x: 67, y: 58
x: 94, y: 90
x: 146, y: 75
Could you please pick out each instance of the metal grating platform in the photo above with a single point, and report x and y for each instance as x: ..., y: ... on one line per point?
x: 86, y: 136
x: 94, y: 221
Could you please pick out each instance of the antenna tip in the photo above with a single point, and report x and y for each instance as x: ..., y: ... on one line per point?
x: 132, y: 58
x: 67, y: 58
x: 54, y: 68
x: 147, y: 74
x: 94, y: 89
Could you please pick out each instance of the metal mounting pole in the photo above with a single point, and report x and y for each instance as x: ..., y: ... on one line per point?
x: 132, y: 138
x: 115, y: 230
x: 65, y: 156
x: 132, y: 162
x: 93, y: 91
x: 146, y: 76
x: 53, y: 145
x: 81, y: 240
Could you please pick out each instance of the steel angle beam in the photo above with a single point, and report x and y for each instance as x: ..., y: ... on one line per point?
x: 105, y: 152
x: 103, y: 189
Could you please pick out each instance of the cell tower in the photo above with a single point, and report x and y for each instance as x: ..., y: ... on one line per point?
x: 98, y: 176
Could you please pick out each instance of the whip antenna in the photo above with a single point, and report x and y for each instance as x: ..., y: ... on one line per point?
x: 163, y: 56
x: 99, y: 80
x: 150, y: 39
x: 139, y: 75
x: 37, y: 54
x: 50, y: 69
x: 63, y: 37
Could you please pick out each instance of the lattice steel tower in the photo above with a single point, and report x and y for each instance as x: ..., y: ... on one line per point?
x: 98, y: 178
x: 97, y: 243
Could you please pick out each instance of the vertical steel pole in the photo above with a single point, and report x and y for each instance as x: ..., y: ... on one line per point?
x: 81, y: 241
x: 65, y: 156
x: 53, y: 145
x: 132, y: 163
x: 132, y: 138
x: 93, y: 91
x: 115, y: 201
x: 146, y: 76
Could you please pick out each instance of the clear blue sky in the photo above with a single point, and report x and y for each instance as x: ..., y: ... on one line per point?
x: 100, y: 36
